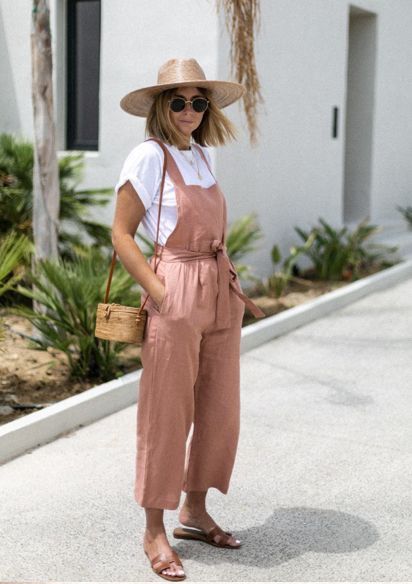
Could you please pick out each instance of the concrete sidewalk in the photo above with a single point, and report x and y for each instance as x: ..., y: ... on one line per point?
x: 322, y: 487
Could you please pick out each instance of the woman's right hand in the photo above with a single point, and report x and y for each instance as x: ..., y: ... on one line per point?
x: 159, y: 293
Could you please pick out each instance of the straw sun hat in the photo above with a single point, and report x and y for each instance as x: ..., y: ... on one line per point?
x: 180, y: 73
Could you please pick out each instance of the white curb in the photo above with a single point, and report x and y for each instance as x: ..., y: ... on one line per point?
x: 38, y: 428
x: 45, y: 425
x: 273, y: 326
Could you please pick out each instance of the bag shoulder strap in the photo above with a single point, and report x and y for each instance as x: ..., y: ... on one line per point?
x: 113, y: 262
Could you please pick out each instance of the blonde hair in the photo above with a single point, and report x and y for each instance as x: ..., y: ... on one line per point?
x: 215, y: 129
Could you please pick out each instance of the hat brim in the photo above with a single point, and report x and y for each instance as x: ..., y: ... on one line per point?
x: 139, y: 101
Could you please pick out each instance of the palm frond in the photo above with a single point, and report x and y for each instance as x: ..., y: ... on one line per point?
x: 70, y: 291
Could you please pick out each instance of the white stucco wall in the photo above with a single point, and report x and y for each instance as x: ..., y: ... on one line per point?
x: 392, y: 169
x: 297, y: 172
x: 15, y: 68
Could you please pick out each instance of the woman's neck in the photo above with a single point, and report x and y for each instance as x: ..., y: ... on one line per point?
x: 187, y: 146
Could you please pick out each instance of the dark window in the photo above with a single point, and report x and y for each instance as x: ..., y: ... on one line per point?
x: 83, y: 73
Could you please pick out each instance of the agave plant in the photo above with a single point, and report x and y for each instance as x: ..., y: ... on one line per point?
x: 337, y: 252
x: 16, y: 198
x: 70, y: 291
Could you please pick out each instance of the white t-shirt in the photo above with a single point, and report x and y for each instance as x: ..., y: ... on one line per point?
x: 143, y: 167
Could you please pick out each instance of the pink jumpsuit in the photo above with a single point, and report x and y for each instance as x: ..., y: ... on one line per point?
x: 191, y: 355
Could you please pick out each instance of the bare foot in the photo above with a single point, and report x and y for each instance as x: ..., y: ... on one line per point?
x: 201, y: 519
x: 155, y: 543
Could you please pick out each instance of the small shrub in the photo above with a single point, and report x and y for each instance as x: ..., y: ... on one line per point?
x: 16, y: 198
x: 337, y: 254
x: 13, y: 248
x: 241, y: 239
x: 278, y: 281
x: 69, y: 291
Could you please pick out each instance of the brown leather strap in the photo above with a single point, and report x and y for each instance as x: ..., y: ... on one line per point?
x: 106, y: 296
x: 162, y: 561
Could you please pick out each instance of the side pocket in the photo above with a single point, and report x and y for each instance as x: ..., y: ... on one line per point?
x: 161, y: 308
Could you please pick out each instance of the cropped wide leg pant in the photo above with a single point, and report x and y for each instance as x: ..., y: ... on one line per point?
x: 190, y: 376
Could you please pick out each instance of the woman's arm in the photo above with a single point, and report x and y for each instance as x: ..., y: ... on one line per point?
x: 128, y: 214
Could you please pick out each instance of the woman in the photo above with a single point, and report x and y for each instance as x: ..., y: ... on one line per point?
x: 195, y: 304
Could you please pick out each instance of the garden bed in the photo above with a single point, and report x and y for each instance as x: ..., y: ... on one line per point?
x: 31, y: 379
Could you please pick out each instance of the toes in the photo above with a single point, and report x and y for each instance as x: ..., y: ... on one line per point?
x: 173, y: 572
x: 229, y: 541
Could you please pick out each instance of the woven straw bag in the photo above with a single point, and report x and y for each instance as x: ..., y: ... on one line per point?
x: 127, y: 324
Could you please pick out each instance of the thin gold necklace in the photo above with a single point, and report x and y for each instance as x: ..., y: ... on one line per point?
x: 193, y: 162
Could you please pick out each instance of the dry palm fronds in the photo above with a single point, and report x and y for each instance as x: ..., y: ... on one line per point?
x: 242, y: 17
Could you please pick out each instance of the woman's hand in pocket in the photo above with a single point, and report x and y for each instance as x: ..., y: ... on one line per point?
x: 159, y: 293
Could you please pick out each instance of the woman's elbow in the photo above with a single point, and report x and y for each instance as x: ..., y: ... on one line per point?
x: 117, y: 236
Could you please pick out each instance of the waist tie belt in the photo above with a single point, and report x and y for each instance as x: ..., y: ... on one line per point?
x: 226, y: 275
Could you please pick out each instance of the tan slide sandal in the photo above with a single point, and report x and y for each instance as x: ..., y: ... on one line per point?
x: 209, y: 537
x: 162, y: 561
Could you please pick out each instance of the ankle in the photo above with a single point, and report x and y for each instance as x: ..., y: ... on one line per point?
x: 196, y: 499
x: 153, y: 531
x: 194, y: 508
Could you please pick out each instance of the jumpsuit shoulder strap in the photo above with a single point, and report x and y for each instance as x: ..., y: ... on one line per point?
x: 162, y: 146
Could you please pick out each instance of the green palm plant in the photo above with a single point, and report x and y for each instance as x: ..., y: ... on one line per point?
x: 13, y: 248
x: 336, y: 253
x: 241, y: 239
x: 278, y: 281
x: 70, y: 290
x: 16, y: 198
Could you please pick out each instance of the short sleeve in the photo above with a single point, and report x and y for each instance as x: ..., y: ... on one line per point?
x: 143, y: 168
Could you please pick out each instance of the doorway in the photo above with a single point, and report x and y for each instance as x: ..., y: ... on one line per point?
x: 360, y: 97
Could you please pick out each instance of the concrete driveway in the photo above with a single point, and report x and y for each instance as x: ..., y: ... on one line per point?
x: 322, y: 487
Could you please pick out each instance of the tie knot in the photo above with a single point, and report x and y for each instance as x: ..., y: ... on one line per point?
x: 217, y: 245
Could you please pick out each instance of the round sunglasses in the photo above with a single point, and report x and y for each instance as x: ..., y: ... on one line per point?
x: 178, y: 104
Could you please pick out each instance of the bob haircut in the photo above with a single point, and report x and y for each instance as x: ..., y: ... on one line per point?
x: 215, y: 129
